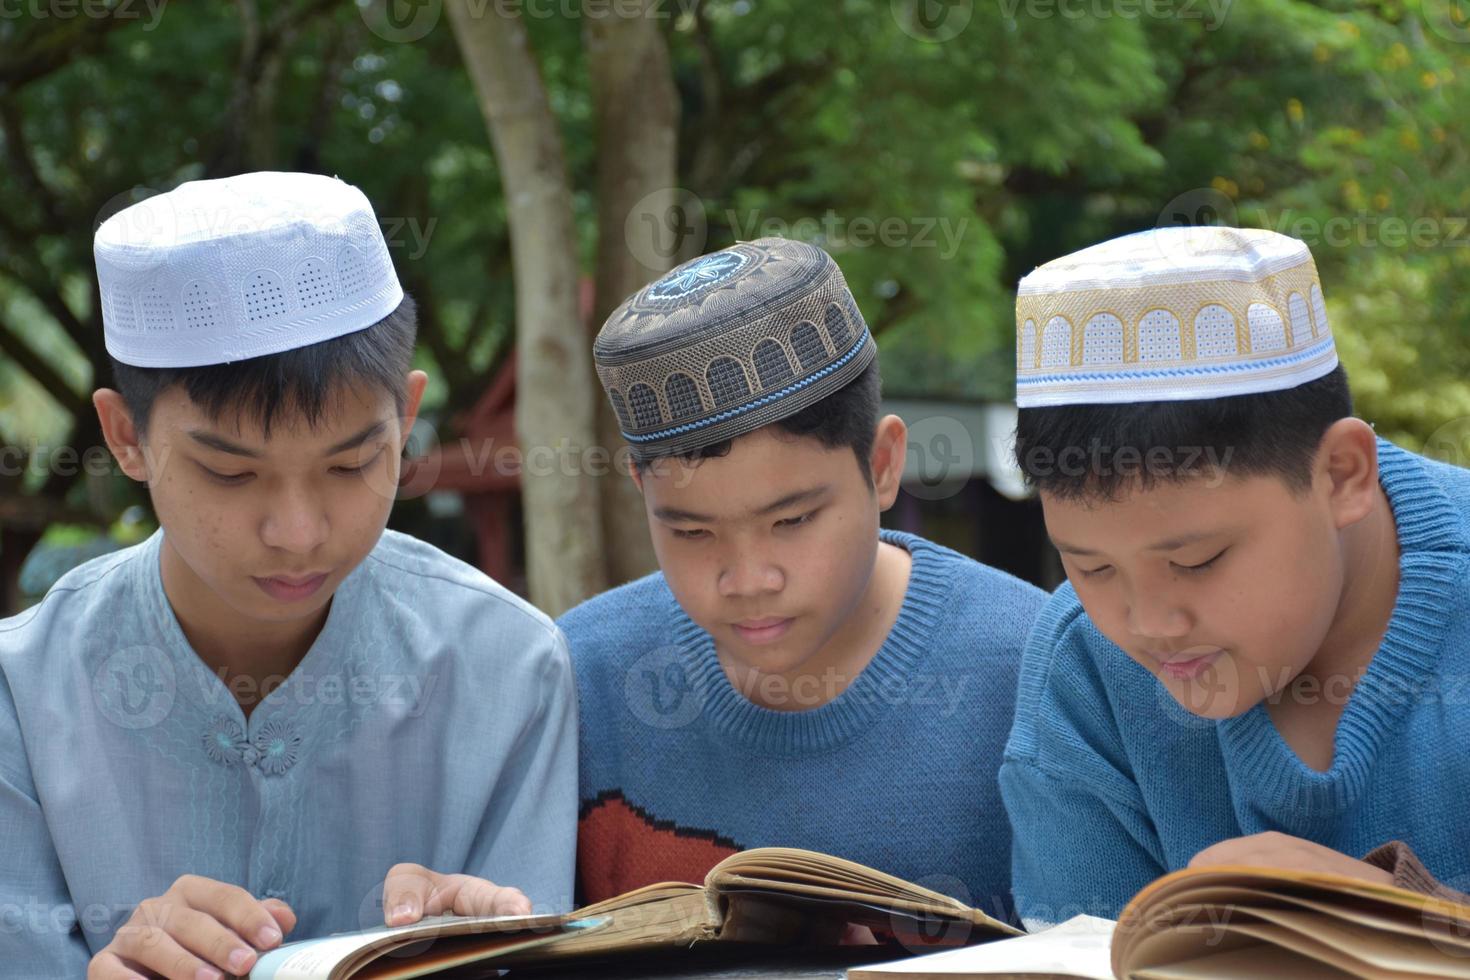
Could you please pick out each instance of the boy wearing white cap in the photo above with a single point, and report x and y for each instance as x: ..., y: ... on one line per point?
x: 233, y: 730
x: 1266, y: 606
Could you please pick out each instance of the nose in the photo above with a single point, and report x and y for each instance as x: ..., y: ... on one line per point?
x: 296, y: 521
x: 1155, y: 615
x: 748, y: 572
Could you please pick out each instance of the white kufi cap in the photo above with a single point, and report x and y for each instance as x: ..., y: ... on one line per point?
x: 225, y: 270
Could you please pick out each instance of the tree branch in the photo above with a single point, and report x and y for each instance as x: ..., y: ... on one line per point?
x: 35, y: 57
x: 20, y: 262
x: 56, y: 386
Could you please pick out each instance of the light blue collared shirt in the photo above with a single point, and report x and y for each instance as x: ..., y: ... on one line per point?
x: 432, y: 721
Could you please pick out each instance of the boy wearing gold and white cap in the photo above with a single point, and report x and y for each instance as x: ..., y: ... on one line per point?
x: 1266, y: 605
x: 233, y: 730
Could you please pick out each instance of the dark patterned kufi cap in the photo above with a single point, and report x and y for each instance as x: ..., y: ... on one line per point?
x: 729, y: 342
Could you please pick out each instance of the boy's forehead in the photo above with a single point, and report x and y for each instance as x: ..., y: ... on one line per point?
x: 344, y: 413
x: 1165, y: 514
x: 761, y: 469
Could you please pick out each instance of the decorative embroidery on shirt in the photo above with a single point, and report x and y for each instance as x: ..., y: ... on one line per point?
x: 278, y: 745
x: 223, y: 742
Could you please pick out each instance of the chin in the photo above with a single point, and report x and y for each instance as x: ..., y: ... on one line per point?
x: 774, y: 659
x: 265, y: 609
x: 1211, y: 708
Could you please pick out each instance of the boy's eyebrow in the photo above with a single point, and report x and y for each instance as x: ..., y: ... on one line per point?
x: 352, y: 442
x: 674, y: 514
x: 1168, y: 544
x: 219, y: 443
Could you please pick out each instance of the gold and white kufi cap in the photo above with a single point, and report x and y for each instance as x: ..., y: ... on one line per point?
x: 1171, y: 314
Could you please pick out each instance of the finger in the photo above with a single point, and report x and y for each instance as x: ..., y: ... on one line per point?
x: 468, y: 895
x: 284, y: 915
x: 233, y: 907
x: 151, y: 947
x: 107, y: 965
x: 208, y: 939
x: 406, y: 892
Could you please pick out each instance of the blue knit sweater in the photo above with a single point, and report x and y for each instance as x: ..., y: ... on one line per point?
x: 679, y: 769
x: 1110, y: 783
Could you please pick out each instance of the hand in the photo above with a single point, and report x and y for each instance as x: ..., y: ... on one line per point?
x: 200, y: 928
x: 412, y: 891
x: 1275, y: 850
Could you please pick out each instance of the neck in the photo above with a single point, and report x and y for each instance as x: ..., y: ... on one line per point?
x: 250, y: 657
x: 1371, y: 571
x: 839, y: 661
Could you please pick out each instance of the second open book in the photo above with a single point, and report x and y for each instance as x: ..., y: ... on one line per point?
x: 1229, y: 922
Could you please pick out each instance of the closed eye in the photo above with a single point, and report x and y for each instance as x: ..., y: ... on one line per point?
x: 797, y: 521
x: 1202, y: 566
x: 226, y: 479
x: 1094, y: 572
x: 356, y: 470
x: 693, y: 534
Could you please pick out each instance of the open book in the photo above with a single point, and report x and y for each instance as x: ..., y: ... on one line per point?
x: 777, y: 896
x: 767, y: 896
x: 1228, y: 922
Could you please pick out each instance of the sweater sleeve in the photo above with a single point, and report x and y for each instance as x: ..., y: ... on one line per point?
x: 1409, y: 873
x: 1083, y: 841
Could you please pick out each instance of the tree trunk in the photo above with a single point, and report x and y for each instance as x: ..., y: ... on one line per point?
x: 637, y: 112
x: 555, y: 401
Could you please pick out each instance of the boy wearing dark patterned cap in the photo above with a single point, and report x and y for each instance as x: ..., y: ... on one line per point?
x: 792, y: 675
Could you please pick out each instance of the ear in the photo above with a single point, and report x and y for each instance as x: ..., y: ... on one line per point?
x: 414, y: 397
x: 1347, y: 467
x: 120, y: 433
x: 636, y: 474
x: 890, y: 447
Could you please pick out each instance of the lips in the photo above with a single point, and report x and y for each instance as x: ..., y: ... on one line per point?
x: 1187, y: 664
x: 292, y: 588
x: 762, y: 631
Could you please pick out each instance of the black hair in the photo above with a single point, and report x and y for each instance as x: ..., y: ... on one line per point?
x: 1099, y: 452
x: 295, y: 382
x: 847, y: 417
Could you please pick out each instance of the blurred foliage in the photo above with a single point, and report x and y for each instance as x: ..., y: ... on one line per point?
x: 938, y: 158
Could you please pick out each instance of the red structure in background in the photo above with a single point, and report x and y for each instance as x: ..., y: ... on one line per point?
x: 483, y: 464
x: 483, y: 467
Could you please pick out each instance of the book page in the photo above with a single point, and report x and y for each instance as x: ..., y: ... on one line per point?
x: 798, y: 872
x: 1078, y: 947
x: 316, y: 959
